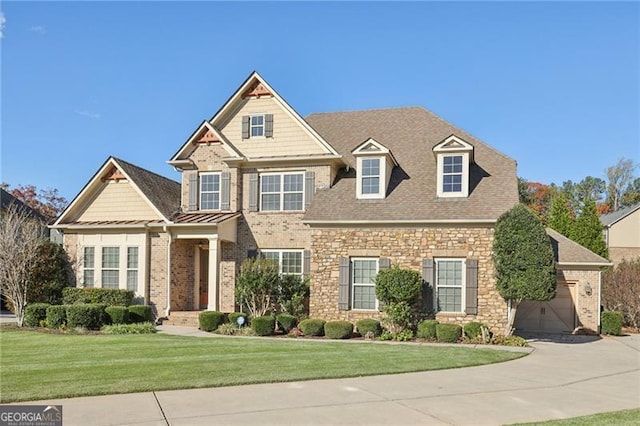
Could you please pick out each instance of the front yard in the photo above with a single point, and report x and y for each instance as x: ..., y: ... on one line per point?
x: 36, y: 366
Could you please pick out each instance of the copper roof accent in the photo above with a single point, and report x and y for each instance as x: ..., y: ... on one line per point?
x: 111, y: 222
x: 568, y: 251
x: 204, y: 218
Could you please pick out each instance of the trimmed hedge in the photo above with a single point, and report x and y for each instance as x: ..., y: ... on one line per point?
x: 87, y: 315
x: 369, y: 325
x: 264, y: 326
x: 56, y: 316
x: 338, y: 329
x: 139, y: 328
x: 287, y: 322
x: 611, y: 322
x: 34, y: 313
x: 427, y: 329
x: 108, y: 296
x: 448, y: 333
x: 312, y: 327
x: 210, y: 320
x: 233, y: 318
x: 117, y: 314
x: 140, y: 313
x: 473, y: 329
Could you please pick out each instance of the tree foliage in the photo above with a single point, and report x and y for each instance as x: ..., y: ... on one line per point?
x: 50, y: 275
x: 621, y: 291
x: 588, y: 230
x: 398, y: 290
x: 257, y: 286
x: 561, y: 216
x: 293, y: 294
x: 48, y: 202
x: 620, y: 176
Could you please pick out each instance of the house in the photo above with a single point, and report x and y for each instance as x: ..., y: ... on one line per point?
x: 334, y: 197
x: 622, y: 233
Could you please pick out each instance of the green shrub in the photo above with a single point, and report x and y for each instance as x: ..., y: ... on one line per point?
x: 117, y: 314
x: 611, y: 322
x: 140, y: 313
x: 398, y: 289
x: 56, y: 316
x: 264, y: 326
x: 338, y: 329
x: 473, y: 329
x: 87, y: 315
x: 210, y: 320
x: 50, y: 274
x: 312, y: 327
x: 108, y: 296
x: 233, y: 318
x: 138, y: 328
x: 448, y: 333
x: 369, y: 325
x: 287, y: 322
x: 509, y: 341
x: 401, y: 336
x: 34, y: 313
x: 427, y: 329
x: 294, y: 291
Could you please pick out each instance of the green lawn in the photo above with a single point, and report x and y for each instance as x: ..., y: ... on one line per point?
x: 617, y: 418
x: 37, y: 365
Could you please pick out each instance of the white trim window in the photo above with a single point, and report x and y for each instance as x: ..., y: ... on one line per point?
x: 88, y: 267
x: 110, y: 267
x: 450, y: 285
x: 282, y: 191
x: 453, y: 175
x: 289, y: 261
x: 256, y: 126
x: 132, y: 268
x: 371, y: 176
x: 209, y: 191
x: 363, y: 288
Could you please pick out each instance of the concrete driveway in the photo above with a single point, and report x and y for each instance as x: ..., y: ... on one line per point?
x: 558, y: 380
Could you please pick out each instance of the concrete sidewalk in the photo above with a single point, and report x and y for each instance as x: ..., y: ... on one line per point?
x: 557, y: 380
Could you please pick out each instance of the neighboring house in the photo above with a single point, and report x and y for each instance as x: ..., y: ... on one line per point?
x: 622, y: 233
x: 334, y: 197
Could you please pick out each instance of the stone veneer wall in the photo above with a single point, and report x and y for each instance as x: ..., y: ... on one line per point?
x: 406, y: 247
x: 587, y: 307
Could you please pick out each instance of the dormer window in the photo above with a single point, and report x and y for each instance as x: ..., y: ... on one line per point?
x: 453, y: 156
x: 374, y: 164
x: 371, y: 176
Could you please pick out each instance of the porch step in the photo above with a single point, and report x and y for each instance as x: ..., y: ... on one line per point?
x: 183, y: 319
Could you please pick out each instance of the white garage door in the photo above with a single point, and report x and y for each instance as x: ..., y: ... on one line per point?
x: 555, y: 316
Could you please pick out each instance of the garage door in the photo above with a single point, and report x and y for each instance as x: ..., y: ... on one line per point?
x: 555, y: 316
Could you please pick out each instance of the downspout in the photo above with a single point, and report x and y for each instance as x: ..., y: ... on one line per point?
x: 168, y: 308
x: 599, y: 299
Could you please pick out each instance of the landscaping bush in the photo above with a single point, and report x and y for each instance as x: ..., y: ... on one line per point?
x: 398, y: 289
x: 210, y: 320
x: 264, y: 325
x: 286, y: 321
x: 338, y: 329
x: 401, y: 336
x: 117, y: 314
x: 56, y: 316
x: 611, y: 322
x: 294, y: 291
x: 87, y: 315
x: 312, y: 327
x: 233, y: 318
x: 230, y: 329
x: 620, y: 289
x: 448, y: 333
x: 138, y: 328
x: 140, y: 313
x: 473, y: 329
x: 427, y: 329
x: 509, y: 341
x: 34, y: 313
x: 108, y: 296
x: 369, y: 325
x: 50, y: 274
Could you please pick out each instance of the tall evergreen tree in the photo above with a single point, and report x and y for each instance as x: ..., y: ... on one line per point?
x: 588, y: 230
x: 561, y: 217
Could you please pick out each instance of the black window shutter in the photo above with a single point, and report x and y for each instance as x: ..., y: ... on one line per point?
x: 471, y: 296
x: 193, y: 192
x: 252, y: 253
x: 268, y: 125
x: 306, y: 263
x: 253, y: 192
x: 428, y: 286
x: 383, y: 263
x: 309, y: 188
x: 245, y: 127
x: 225, y: 189
x: 344, y: 294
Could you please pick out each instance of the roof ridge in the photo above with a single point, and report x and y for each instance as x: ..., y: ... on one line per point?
x: 353, y: 111
x: 119, y: 160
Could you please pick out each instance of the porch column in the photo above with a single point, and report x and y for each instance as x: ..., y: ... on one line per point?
x: 214, y: 262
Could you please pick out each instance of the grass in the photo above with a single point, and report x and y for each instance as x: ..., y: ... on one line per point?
x: 36, y: 366
x: 624, y: 417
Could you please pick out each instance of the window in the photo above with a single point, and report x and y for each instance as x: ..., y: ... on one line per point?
x: 282, y: 192
x: 256, y: 126
x: 370, y: 175
x: 88, y: 273
x: 110, y: 267
x: 450, y: 278
x: 452, y: 173
x: 290, y: 261
x: 210, y: 191
x: 363, y: 271
x: 132, y: 268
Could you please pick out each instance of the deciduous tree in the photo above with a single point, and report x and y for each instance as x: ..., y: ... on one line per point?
x: 48, y: 202
x: 619, y: 177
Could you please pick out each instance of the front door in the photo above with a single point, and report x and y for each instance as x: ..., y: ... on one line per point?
x: 203, y: 278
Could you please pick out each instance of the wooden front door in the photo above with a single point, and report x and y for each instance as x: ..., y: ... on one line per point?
x: 204, y: 278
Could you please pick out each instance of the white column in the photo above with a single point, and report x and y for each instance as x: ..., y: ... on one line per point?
x: 214, y: 262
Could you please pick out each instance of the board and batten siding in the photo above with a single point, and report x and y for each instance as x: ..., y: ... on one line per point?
x: 117, y: 201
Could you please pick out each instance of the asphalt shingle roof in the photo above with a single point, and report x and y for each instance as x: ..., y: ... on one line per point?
x: 611, y: 218
x: 568, y: 251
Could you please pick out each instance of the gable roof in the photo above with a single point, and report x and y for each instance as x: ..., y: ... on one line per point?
x: 609, y: 219
x: 7, y: 199
x: 162, y: 194
x: 411, y: 134
x: 568, y: 252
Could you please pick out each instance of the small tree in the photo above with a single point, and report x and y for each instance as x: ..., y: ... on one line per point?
x: 588, y: 230
x: 293, y: 292
x: 524, y: 260
x: 51, y: 273
x: 621, y: 290
x: 398, y: 289
x: 257, y: 286
x: 561, y: 217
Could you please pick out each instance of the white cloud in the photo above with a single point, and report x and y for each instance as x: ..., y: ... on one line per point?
x: 2, y: 21
x: 38, y: 29
x: 87, y: 113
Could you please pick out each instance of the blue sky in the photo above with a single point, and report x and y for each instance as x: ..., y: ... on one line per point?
x: 553, y: 85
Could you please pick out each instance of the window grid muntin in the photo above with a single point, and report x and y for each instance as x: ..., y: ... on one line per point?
x: 370, y: 176
x: 256, y: 126
x: 132, y: 268
x: 289, y: 261
x: 89, y: 262
x: 450, y: 279
x: 282, y: 192
x: 210, y: 191
x: 363, y: 272
x: 110, y: 274
x: 452, y: 171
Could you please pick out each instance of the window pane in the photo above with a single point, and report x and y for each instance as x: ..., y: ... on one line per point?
x: 270, y: 201
x: 452, y: 183
x: 110, y: 279
x: 89, y: 257
x: 210, y: 183
x: 293, y: 183
x: 271, y: 183
x: 132, y: 257
x: 132, y: 280
x: 291, y: 262
x: 371, y: 167
x: 364, y: 297
x: 292, y: 202
x: 257, y: 120
x: 210, y: 201
x: 272, y: 255
x: 370, y: 185
x: 87, y: 279
x: 450, y: 299
x: 110, y: 257
x: 364, y: 271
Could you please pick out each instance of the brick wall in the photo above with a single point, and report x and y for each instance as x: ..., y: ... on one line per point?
x: 158, y: 245
x: 183, y: 275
